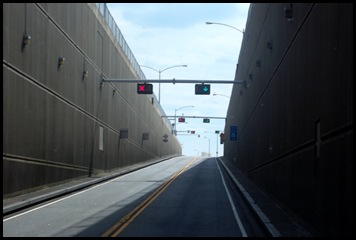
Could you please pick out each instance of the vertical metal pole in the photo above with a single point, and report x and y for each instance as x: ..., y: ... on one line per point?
x: 217, y: 145
x: 175, y: 122
x: 159, y: 88
x: 209, y: 146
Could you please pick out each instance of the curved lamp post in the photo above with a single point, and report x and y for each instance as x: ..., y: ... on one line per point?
x: 214, y: 94
x: 226, y: 26
x: 159, y: 76
x: 217, y: 145
x: 175, y: 118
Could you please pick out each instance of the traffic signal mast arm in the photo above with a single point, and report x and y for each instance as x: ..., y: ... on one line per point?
x: 195, y: 117
x: 174, y: 81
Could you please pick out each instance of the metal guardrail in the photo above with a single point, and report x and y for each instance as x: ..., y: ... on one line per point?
x: 104, y: 11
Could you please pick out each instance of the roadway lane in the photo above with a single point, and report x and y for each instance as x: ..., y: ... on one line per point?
x: 194, y: 204
x: 183, y: 196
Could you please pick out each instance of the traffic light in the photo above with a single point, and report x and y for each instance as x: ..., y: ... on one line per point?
x: 222, y: 138
x: 144, y: 88
x: 181, y: 119
x: 202, y: 89
x: 206, y: 120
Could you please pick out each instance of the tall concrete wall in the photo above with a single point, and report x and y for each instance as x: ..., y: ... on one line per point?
x: 295, y: 114
x: 59, y: 125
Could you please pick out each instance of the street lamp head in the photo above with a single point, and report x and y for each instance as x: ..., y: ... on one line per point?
x: 215, y: 94
x: 172, y: 67
x: 183, y: 107
x: 225, y: 25
x: 159, y: 76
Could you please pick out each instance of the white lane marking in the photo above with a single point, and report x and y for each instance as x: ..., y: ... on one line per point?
x: 72, y: 195
x: 48, y: 204
x: 237, y: 217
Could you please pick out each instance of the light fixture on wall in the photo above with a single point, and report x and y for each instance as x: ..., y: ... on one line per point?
x: 258, y: 63
x: 288, y: 11
x: 246, y: 85
x: 26, y: 40
x: 85, y: 74
x: 269, y: 44
x: 145, y: 136
x: 124, y: 133
x: 61, y: 61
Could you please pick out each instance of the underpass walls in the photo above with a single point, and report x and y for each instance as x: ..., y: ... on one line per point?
x: 294, y: 115
x: 60, y: 122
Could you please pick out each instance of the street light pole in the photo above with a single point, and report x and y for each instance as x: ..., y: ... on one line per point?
x: 217, y: 146
x: 226, y: 26
x: 217, y: 138
x: 175, y: 118
x: 159, y: 76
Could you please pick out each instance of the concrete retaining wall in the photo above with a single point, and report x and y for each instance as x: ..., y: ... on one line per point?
x: 295, y: 114
x: 58, y: 124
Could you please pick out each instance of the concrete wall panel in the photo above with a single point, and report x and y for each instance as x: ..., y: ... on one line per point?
x: 294, y: 113
x: 53, y: 116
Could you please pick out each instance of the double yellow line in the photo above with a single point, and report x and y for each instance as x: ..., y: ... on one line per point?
x: 125, y: 221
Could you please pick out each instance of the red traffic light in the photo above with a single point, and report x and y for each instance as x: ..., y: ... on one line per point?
x: 181, y: 119
x: 222, y: 138
x: 144, y: 88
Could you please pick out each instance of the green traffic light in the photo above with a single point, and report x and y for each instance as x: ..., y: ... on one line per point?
x: 202, y: 89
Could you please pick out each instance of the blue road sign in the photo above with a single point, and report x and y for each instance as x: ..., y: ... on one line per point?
x: 233, y: 133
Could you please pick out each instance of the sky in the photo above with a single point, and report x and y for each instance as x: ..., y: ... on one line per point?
x: 165, y: 35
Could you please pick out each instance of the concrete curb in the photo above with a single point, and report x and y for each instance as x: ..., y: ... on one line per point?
x: 269, y: 226
x: 56, y: 193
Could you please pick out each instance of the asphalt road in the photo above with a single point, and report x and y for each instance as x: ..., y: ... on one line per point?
x: 182, y: 197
